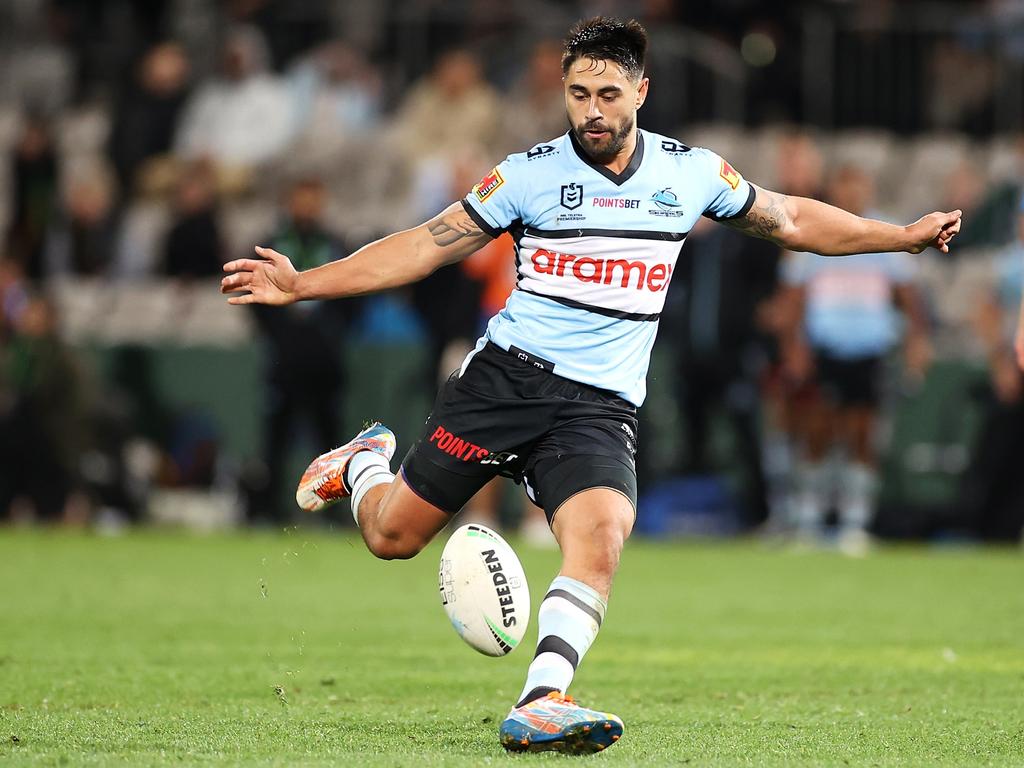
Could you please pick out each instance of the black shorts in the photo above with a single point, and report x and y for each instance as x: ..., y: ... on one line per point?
x: 504, y: 416
x: 849, y: 382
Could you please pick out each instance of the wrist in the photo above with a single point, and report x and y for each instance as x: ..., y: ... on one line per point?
x: 301, y: 289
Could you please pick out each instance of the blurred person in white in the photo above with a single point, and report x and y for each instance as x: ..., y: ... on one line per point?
x: 242, y: 118
x: 844, y: 324
x: 145, y: 117
x: 451, y: 108
x: 337, y: 95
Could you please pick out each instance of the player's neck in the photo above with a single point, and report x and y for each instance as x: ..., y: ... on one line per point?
x: 621, y: 160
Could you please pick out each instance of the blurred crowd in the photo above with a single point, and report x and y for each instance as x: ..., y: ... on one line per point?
x: 146, y: 143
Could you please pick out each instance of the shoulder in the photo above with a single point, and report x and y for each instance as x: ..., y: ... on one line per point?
x: 542, y: 154
x: 677, y: 151
x: 666, y: 146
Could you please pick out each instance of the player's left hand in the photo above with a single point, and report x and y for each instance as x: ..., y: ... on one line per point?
x: 934, y: 231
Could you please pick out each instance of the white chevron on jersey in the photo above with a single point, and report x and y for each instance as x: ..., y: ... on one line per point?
x: 595, y: 250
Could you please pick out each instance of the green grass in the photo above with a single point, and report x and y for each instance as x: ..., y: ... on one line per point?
x: 301, y: 649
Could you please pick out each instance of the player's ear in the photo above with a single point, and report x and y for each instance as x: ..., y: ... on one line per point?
x: 641, y: 92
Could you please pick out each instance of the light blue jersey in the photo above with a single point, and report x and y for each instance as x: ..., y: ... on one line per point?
x: 849, y: 303
x: 595, y: 250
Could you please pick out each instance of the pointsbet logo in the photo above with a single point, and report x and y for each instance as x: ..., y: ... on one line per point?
x: 621, y: 273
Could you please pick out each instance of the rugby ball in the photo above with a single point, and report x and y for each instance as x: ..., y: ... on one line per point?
x: 484, y: 591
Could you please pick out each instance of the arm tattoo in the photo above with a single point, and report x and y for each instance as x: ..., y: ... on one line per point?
x: 448, y: 228
x: 765, y: 218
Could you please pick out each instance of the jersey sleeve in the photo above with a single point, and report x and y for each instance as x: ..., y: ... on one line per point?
x: 496, y: 200
x: 729, y: 195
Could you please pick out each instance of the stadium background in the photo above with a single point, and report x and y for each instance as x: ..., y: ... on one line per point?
x: 144, y: 142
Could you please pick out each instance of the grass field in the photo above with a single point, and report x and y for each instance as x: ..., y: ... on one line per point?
x: 300, y: 649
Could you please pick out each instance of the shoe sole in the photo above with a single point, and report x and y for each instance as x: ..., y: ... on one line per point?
x: 580, y: 739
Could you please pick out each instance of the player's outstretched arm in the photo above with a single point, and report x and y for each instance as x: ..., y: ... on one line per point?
x: 802, y: 224
x: 395, y: 260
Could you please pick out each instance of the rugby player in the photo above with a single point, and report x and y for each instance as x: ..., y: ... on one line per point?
x: 549, y: 394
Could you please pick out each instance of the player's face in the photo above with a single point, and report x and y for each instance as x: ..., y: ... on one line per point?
x: 602, y: 103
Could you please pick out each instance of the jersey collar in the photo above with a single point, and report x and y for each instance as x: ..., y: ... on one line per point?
x: 616, y: 178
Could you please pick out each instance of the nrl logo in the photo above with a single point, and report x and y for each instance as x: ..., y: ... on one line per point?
x: 572, y: 196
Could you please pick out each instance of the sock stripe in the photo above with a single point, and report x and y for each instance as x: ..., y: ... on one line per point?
x: 570, y: 597
x: 362, y: 472
x: 555, y: 644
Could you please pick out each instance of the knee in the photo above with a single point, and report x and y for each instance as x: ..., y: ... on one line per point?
x: 394, y: 545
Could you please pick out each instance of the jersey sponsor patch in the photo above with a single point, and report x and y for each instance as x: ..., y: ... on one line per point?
x: 487, y: 185
x: 729, y: 175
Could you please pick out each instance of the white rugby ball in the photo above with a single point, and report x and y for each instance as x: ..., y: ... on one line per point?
x: 484, y: 590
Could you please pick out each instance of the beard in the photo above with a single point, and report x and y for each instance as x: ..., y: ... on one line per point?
x: 605, y: 149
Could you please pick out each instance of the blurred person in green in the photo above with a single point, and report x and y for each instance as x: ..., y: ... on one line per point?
x: 304, y: 373
x: 44, y: 420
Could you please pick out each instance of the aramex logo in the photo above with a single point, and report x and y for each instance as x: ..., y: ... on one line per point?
x: 605, y: 271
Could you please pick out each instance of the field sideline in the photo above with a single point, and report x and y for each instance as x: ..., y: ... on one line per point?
x: 301, y: 649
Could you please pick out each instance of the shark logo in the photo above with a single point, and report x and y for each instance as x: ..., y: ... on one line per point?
x: 666, y: 199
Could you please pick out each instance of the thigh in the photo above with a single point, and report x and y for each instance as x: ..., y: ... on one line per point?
x: 476, y: 431
x: 406, y: 517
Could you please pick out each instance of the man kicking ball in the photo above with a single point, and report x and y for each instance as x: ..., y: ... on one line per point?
x: 549, y: 394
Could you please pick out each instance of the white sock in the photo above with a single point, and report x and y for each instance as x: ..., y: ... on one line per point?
x: 811, y: 493
x: 568, y: 620
x: 364, y: 471
x: 856, y: 498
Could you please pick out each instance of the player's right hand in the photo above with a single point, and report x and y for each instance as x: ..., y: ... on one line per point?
x: 270, y: 279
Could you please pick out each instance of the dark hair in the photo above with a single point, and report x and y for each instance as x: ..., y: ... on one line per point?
x: 607, y: 39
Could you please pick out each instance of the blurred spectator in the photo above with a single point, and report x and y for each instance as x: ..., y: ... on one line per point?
x: 244, y: 117
x: 990, y: 209
x: 83, y: 240
x: 993, y: 494
x: 452, y: 108
x: 337, y: 96
x: 43, y: 420
x: 449, y: 299
x: 305, y: 373
x: 965, y: 190
x: 37, y: 64
x: 193, y: 247
x: 846, y: 326
x: 799, y: 165
x: 799, y: 170
x: 14, y: 298
x: 147, y: 113
x: 34, y: 200
x: 538, y: 100
x: 721, y: 280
